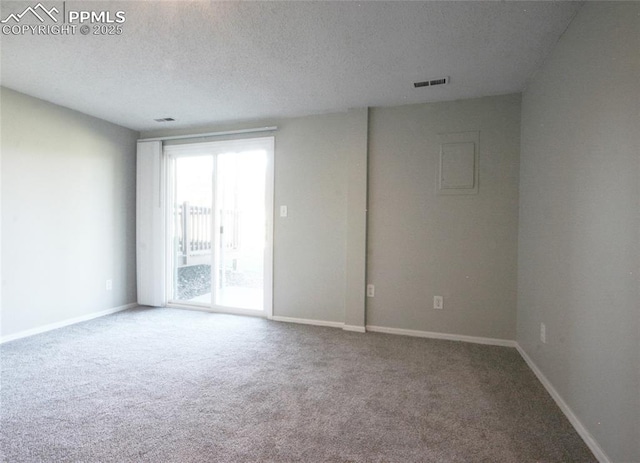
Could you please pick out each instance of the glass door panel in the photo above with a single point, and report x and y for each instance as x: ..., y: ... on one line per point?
x: 192, y: 229
x: 240, y: 245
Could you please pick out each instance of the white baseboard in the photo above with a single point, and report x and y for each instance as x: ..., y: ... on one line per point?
x: 354, y: 328
x: 445, y: 336
x: 573, y: 419
x: 62, y: 324
x: 307, y: 321
x: 403, y: 332
x: 221, y: 310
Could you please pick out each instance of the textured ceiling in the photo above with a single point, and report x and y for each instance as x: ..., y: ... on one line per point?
x: 210, y: 62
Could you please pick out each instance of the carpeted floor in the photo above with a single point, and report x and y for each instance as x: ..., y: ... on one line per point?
x: 163, y: 385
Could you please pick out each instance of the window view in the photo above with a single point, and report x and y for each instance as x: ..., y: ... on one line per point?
x: 240, y: 200
x: 219, y: 229
x: 192, y: 228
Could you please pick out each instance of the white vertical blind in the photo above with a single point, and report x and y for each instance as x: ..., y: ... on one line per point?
x: 150, y: 225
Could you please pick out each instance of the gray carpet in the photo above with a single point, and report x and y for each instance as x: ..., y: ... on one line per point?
x: 163, y: 385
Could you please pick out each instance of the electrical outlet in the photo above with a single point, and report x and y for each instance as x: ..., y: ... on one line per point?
x: 371, y: 290
x: 109, y: 285
x: 284, y: 211
x: 438, y: 302
x: 543, y: 333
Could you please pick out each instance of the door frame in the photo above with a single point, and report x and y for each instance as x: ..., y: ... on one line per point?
x: 172, y: 151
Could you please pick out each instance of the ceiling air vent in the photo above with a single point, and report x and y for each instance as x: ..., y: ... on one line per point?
x: 165, y: 119
x: 432, y: 82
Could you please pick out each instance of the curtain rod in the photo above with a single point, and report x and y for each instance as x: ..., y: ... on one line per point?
x: 211, y: 134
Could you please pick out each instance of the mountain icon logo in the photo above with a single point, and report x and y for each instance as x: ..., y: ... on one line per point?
x: 39, y: 8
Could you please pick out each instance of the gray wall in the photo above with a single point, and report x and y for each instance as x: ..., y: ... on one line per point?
x: 579, y: 242
x: 312, y: 268
x: 68, y: 214
x: 461, y: 247
x: 420, y: 244
x: 310, y: 245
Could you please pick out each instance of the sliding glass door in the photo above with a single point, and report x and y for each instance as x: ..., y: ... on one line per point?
x: 221, y: 209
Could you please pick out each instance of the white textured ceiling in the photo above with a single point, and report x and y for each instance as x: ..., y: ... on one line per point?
x: 210, y: 62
